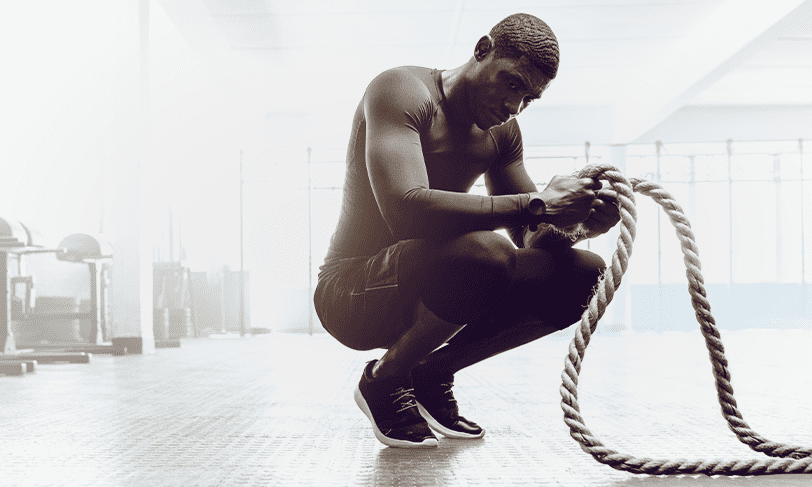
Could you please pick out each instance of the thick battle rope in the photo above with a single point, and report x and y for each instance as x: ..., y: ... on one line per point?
x: 791, y: 459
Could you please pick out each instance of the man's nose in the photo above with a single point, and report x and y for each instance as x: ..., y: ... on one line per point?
x: 513, y: 106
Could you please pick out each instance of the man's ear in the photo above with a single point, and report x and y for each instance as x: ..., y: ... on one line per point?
x: 483, y: 47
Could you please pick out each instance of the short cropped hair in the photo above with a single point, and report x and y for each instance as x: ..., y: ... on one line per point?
x: 525, y: 34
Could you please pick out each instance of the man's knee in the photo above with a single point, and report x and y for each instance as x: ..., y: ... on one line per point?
x: 585, y: 266
x: 468, y: 274
x: 479, y: 252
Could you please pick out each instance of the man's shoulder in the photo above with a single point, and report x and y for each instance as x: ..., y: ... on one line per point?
x: 410, y: 72
x: 508, y: 139
x: 509, y: 131
x: 409, y: 80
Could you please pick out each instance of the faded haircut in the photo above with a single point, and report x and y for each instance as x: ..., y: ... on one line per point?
x: 525, y: 34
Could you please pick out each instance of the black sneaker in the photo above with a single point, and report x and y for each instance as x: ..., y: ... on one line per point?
x: 437, y: 405
x: 390, y: 407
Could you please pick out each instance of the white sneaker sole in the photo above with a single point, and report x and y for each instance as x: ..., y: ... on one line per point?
x: 362, y: 403
x: 436, y: 426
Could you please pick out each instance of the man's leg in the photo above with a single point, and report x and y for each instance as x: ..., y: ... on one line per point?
x: 464, y: 277
x: 549, y: 293
x: 510, y: 298
x: 457, y: 281
x: 453, y: 282
x: 426, y: 334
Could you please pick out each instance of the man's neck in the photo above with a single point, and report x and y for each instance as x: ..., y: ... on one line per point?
x: 455, y: 89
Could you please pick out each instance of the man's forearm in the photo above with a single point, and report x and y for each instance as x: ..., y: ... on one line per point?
x: 427, y: 213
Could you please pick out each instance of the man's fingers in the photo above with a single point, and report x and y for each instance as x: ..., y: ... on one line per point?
x: 596, y: 184
x: 608, y: 195
x: 604, y: 212
x: 601, y: 217
x: 606, y: 204
x: 603, y: 206
x: 607, y: 207
x: 591, y: 183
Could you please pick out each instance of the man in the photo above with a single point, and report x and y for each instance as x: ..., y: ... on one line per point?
x: 415, y: 267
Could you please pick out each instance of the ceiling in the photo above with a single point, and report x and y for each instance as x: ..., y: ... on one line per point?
x: 627, y: 66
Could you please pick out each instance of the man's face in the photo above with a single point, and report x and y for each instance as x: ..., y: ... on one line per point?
x: 503, y: 87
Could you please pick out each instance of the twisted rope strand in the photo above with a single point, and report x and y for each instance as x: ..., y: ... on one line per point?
x: 786, y: 458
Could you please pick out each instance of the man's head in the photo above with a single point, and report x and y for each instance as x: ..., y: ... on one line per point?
x: 526, y: 35
x: 514, y: 64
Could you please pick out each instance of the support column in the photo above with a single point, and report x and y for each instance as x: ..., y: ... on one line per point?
x: 95, y: 310
x: 621, y: 303
x: 779, y: 242
x: 7, y: 345
x: 132, y: 263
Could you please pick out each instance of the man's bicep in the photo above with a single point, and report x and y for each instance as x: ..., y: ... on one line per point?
x: 394, y: 154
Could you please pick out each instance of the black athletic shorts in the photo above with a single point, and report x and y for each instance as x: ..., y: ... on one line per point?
x: 367, y: 302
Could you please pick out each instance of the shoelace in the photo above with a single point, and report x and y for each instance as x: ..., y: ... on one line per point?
x: 404, y: 394
x: 448, y: 392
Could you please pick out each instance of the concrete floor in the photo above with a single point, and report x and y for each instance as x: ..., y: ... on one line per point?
x: 278, y: 410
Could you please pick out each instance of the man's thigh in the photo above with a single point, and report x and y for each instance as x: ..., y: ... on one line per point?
x: 367, y: 303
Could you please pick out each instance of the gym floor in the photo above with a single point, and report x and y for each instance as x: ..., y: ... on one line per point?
x: 277, y: 409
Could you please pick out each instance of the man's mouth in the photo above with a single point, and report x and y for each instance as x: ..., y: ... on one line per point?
x: 499, y: 118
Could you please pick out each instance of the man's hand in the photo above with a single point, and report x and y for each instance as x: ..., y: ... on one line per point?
x: 568, y: 200
x: 604, y: 215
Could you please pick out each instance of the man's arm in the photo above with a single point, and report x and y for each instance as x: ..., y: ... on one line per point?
x: 513, y: 178
x: 395, y: 106
x: 562, y: 226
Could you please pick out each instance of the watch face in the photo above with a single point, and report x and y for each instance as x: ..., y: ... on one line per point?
x: 537, y: 206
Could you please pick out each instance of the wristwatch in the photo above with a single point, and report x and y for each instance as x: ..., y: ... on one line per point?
x: 537, y: 206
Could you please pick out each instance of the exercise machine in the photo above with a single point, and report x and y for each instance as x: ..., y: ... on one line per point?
x: 17, y: 241
x: 96, y: 253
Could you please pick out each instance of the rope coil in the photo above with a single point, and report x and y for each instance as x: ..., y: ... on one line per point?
x: 786, y: 458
